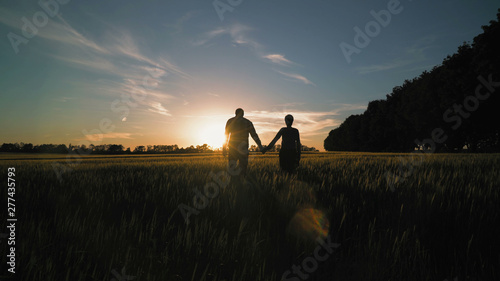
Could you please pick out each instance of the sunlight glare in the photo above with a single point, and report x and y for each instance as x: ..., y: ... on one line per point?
x: 212, y: 134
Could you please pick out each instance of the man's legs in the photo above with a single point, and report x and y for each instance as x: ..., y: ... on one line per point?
x: 238, y: 159
x: 237, y: 164
x: 233, y: 168
x: 243, y: 164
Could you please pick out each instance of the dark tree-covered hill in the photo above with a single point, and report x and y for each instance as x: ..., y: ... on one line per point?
x: 456, y: 105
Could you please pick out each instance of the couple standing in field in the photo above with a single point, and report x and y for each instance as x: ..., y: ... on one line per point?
x: 237, y: 130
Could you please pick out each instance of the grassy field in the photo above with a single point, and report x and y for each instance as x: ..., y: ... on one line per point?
x: 121, y: 218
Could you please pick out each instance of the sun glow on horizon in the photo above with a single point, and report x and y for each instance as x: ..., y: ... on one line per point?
x: 211, y: 133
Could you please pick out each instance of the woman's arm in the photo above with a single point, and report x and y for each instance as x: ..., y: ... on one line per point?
x: 276, y: 138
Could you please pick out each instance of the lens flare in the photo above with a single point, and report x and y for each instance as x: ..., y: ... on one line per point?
x: 308, y: 224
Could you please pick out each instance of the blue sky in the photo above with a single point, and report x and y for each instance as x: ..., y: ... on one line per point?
x: 172, y: 72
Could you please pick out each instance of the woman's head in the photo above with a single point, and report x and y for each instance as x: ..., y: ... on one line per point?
x: 289, y: 120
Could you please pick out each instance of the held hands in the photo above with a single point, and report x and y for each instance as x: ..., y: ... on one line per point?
x: 262, y: 149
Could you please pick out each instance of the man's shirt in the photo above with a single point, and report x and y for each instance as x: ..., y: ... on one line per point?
x: 239, y: 128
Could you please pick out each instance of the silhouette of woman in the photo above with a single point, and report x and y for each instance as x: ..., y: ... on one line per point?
x: 290, y: 146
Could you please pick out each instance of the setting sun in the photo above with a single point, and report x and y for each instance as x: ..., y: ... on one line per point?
x: 211, y: 134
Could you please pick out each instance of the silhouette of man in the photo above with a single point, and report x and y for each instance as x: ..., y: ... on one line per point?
x: 290, y: 146
x: 237, y: 130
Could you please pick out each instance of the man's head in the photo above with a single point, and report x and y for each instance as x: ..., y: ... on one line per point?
x: 289, y: 120
x: 239, y: 112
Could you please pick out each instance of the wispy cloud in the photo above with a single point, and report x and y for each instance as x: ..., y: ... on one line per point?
x: 239, y: 36
x: 156, y: 107
x: 118, y: 55
x: 110, y: 57
x: 171, y: 67
x: 64, y: 33
x: 123, y: 44
x: 101, y: 137
x: 63, y: 99
x: 178, y: 26
x: 57, y: 29
x: 134, y: 87
x: 278, y: 59
x: 309, y: 123
x: 397, y: 63
x: 83, y: 51
x: 296, y: 77
x: 411, y: 55
x: 89, y: 62
x: 237, y: 32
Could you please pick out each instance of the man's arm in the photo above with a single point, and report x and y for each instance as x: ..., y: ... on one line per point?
x: 254, y: 135
x: 299, y: 146
x: 226, y: 142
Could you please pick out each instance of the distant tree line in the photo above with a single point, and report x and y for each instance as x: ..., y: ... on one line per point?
x: 277, y: 148
x: 102, y: 149
x: 454, y: 107
x: 116, y: 148
x: 30, y: 148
